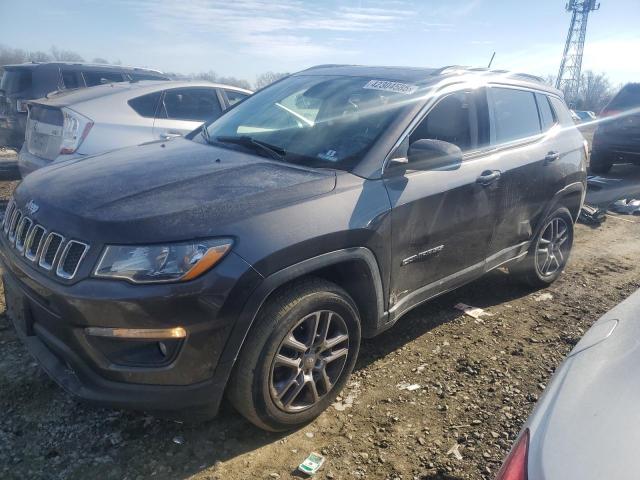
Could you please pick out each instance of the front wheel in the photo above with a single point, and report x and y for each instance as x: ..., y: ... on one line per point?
x: 297, y: 357
x: 549, y: 251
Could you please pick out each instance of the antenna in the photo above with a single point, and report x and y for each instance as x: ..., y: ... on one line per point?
x: 491, y: 61
x: 571, y: 66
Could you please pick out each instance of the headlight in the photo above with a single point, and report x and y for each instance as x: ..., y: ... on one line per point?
x: 75, y: 129
x: 161, y: 263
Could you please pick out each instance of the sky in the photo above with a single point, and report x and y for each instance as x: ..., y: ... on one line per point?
x: 244, y: 38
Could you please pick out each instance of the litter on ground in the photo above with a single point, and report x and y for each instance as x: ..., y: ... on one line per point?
x: 311, y: 464
x: 543, y: 297
x: 455, y: 451
x: 474, y: 312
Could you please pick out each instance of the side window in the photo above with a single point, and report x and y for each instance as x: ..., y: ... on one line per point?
x: 70, y: 79
x: 193, y: 104
x: 452, y: 120
x: 143, y: 76
x: 100, y: 78
x: 546, y: 114
x: 562, y: 112
x: 146, y: 104
x: 233, y: 96
x: 515, y: 114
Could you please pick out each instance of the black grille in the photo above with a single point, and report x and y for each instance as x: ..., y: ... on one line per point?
x: 25, y: 225
x: 73, y: 254
x: 15, y: 221
x: 6, y: 221
x: 48, y: 250
x: 34, y: 242
x: 52, y: 248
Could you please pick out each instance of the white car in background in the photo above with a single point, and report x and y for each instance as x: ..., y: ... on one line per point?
x: 77, y: 123
x: 585, y: 426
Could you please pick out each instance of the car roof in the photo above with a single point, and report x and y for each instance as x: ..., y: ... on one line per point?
x: 64, y: 98
x: 81, y: 65
x: 427, y: 76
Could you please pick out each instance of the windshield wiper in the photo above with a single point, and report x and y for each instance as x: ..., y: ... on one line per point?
x: 274, y: 152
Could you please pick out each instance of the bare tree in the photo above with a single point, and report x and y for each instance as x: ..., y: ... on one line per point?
x: 268, y: 78
x: 100, y: 60
x: 594, y: 92
x: 212, y: 76
x: 65, y: 55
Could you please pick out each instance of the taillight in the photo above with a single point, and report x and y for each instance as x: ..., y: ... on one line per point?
x: 515, y: 465
x: 21, y: 105
x: 74, y: 130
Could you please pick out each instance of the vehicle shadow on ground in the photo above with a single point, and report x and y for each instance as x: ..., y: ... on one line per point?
x: 492, y: 289
x: 150, y: 446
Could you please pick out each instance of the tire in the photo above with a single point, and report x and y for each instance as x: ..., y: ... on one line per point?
x: 263, y: 388
x: 534, y: 269
x: 600, y: 163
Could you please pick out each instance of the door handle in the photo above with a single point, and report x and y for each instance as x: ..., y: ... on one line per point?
x: 551, y: 157
x: 488, y: 177
x: 168, y: 135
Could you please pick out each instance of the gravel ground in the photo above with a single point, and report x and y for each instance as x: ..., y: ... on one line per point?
x: 479, y: 380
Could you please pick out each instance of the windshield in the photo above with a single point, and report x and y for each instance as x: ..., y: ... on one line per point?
x: 325, y: 121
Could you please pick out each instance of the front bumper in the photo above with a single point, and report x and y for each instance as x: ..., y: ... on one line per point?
x: 55, y: 317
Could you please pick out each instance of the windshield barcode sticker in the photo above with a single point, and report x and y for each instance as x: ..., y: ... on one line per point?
x: 387, y: 86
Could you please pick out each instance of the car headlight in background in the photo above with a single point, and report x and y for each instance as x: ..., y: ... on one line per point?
x: 162, y: 263
x: 75, y: 129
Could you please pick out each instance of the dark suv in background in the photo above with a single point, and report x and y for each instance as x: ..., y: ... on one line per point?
x: 251, y: 257
x: 27, y: 81
x: 617, y: 138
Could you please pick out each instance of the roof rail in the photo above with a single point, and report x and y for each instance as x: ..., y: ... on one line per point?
x: 461, y: 68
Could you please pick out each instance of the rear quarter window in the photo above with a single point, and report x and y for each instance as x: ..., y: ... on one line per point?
x: 146, y: 105
x: 515, y: 114
x: 16, y: 81
x: 562, y: 112
x: 546, y: 114
x: 233, y: 96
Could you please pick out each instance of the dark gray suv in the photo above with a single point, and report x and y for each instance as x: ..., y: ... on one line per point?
x: 251, y: 257
x: 27, y: 81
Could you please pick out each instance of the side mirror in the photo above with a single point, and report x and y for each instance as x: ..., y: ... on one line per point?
x: 433, y: 155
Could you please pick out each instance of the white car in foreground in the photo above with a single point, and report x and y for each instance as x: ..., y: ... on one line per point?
x: 585, y: 426
x: 77, y: 123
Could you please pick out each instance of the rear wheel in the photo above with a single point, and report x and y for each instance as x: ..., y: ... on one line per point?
x: 600, y: 163
x: 549, y: 251
x: 297, y: 357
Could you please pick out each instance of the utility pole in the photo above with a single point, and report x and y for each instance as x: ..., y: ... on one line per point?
x: 570, y: 68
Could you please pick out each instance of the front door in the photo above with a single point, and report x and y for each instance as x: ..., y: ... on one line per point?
x: 443, y: 220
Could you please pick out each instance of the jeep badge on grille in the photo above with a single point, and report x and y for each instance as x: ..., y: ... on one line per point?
x: 32, y: 207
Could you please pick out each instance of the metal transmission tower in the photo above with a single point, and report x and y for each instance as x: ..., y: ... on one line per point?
x: 569, y: 75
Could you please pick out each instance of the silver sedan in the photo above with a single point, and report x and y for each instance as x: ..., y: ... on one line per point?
x: 76, y: 123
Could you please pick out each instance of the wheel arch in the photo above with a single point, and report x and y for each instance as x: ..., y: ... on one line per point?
x: 354, y: 269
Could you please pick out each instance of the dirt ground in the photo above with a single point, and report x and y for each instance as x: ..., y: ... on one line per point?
x: 479, y: 380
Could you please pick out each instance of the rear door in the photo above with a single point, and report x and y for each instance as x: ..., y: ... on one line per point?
x: 182, y: 110
x: 524, y: 150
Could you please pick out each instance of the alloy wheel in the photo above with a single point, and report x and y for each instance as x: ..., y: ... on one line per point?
x: 309, y: 361
x: 553, y: 247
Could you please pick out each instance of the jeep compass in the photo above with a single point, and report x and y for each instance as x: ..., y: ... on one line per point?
x: 248, y: 259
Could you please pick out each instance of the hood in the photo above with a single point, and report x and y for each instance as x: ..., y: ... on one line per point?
x: 162, y: 191
x: 586, y: 425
